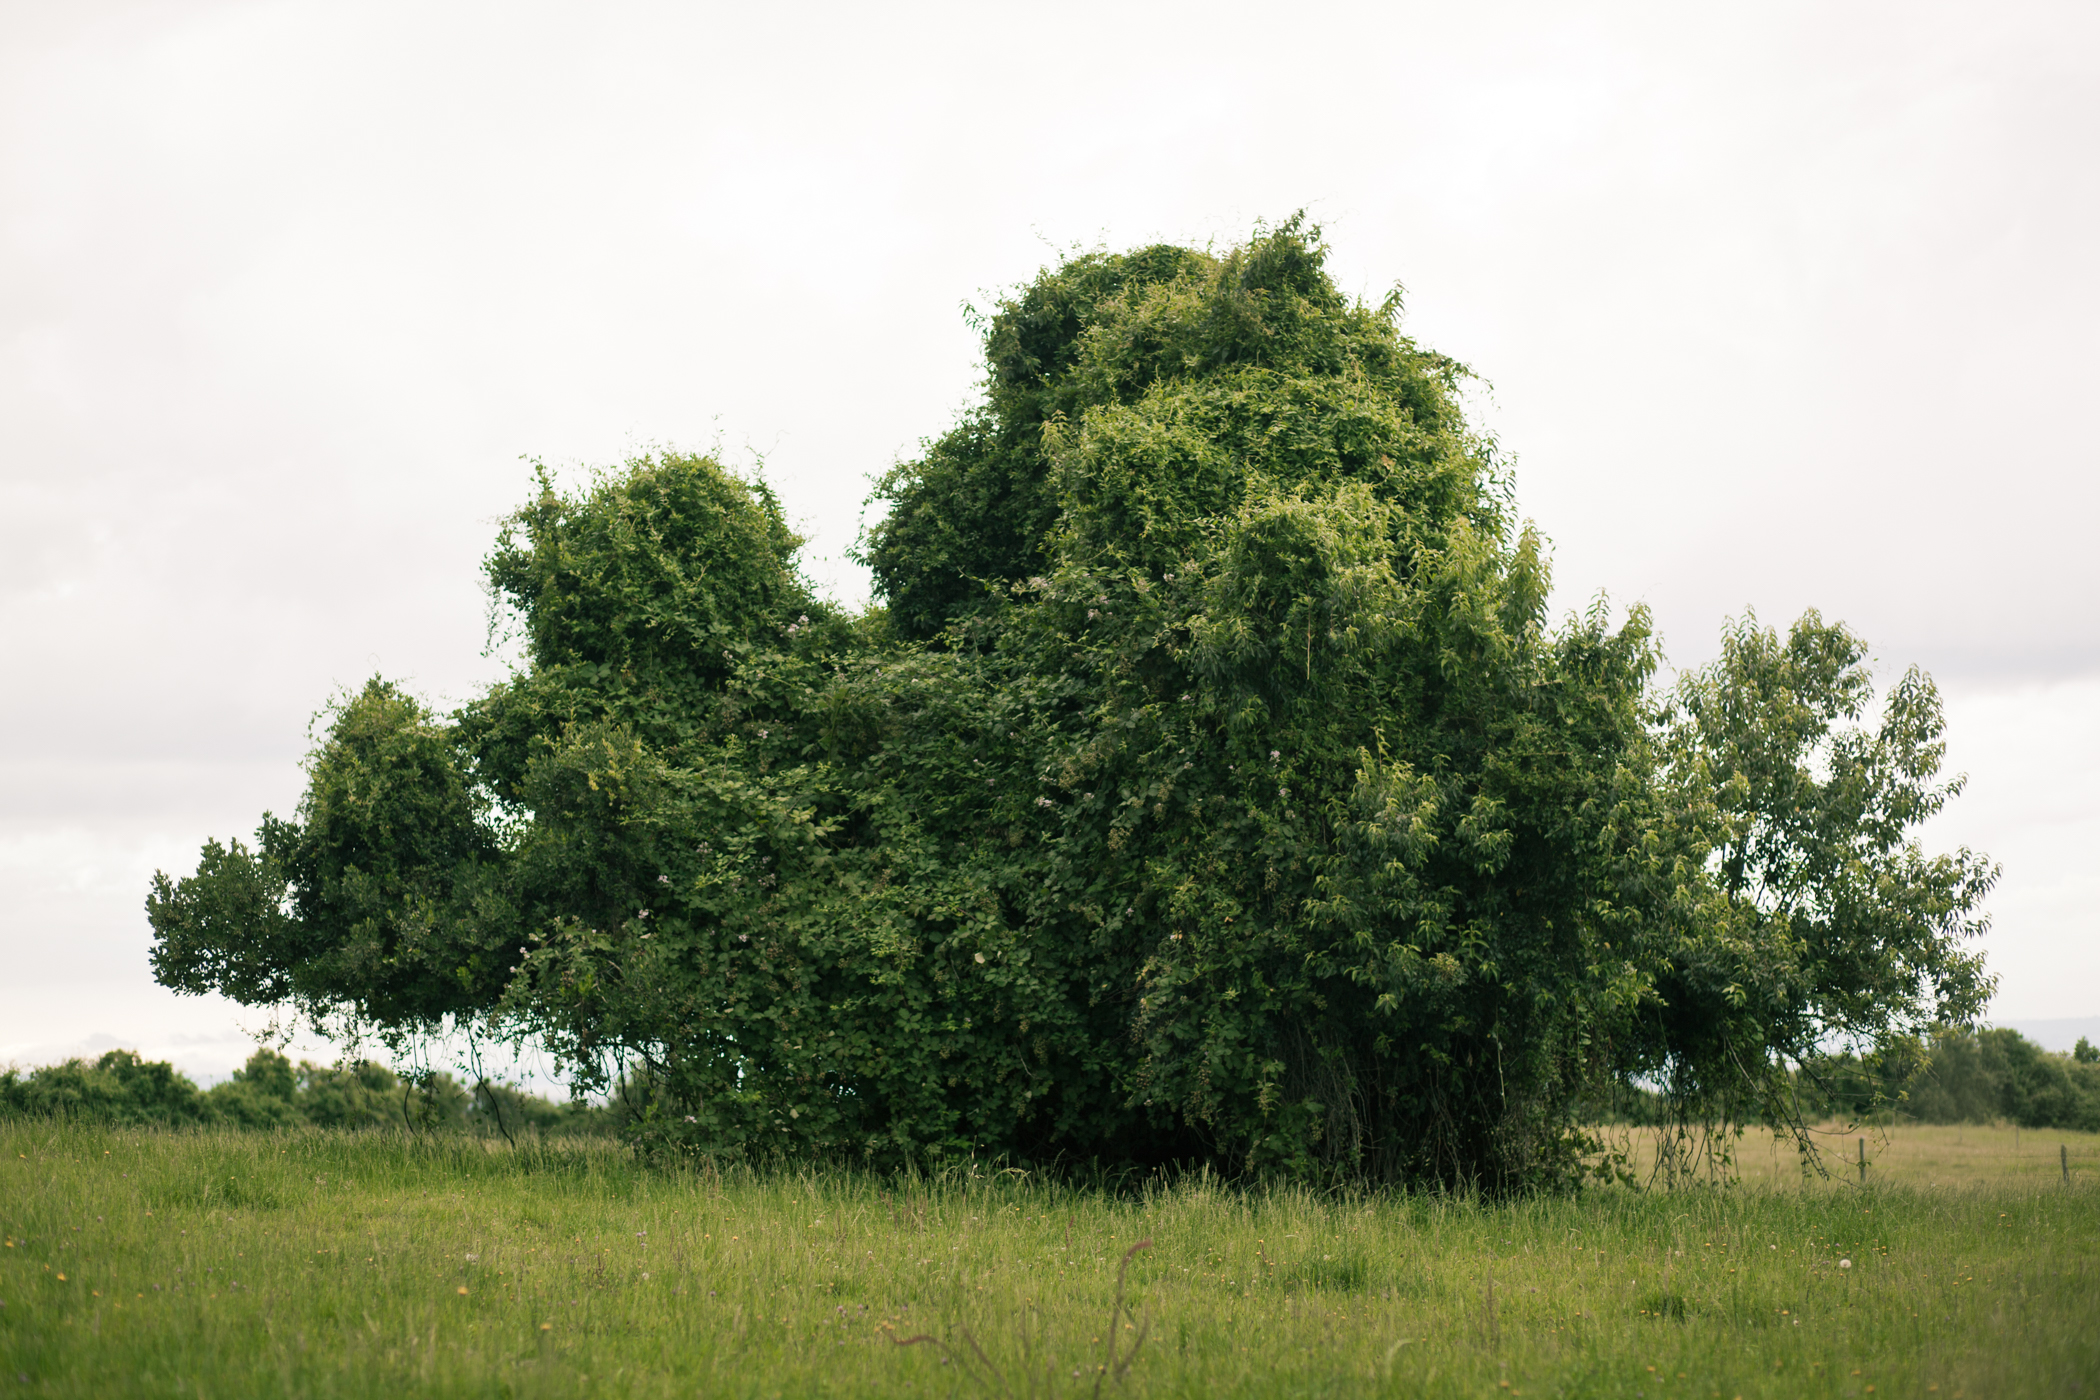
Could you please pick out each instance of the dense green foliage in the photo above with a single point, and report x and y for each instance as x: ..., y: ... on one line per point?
x: 121, y: 1087
x: 1213, y: 787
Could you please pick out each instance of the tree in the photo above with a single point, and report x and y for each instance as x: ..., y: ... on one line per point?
x: 1817, y: 925
x: 1213, y: 787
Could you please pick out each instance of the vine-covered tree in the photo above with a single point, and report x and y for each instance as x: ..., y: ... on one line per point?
x: 1213, y: 786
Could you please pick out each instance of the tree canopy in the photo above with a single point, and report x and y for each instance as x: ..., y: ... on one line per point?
x: 1212, y: 785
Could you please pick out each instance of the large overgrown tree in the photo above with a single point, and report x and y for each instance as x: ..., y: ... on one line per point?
x: 1213, y: 786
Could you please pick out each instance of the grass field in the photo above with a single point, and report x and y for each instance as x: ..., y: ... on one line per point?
x: 318, y: 1264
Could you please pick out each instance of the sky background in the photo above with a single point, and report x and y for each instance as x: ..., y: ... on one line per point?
x: 1775, y: 306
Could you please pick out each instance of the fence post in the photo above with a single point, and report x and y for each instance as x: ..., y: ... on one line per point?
x: 2063, y: 1156
x: 1862, y: 1161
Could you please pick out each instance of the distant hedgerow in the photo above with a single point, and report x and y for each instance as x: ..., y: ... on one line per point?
x: 124, y: 1088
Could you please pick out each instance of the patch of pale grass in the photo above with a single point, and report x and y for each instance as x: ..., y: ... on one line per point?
x: 1995, y: 1156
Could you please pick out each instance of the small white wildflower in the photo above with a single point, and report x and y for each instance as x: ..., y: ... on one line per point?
x: 1844, y: 1263
x: 1043, y: 802
x: 804, y: 619
x: 663, y: 879
x: 979, y: 957
x: 763, y: 732
x: 1092, y: 613
x: 691, y: 1119
x: 1274, y: 755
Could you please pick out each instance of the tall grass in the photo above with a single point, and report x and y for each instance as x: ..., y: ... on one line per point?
x: 338, y: 1264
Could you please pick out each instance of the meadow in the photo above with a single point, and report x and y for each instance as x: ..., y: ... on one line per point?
x: 334, y: 1263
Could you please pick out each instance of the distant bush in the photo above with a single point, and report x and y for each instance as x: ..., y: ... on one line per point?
x: 351, y: 1096
x: 1967, y: 1076
x: 1626, y: 1103
x: 501, y: 1107
x: 122, y: 1087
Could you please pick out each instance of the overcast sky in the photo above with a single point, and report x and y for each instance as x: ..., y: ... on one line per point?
x: 1775, y: 305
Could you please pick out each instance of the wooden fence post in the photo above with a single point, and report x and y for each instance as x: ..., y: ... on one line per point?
x: 1862, y: 1161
